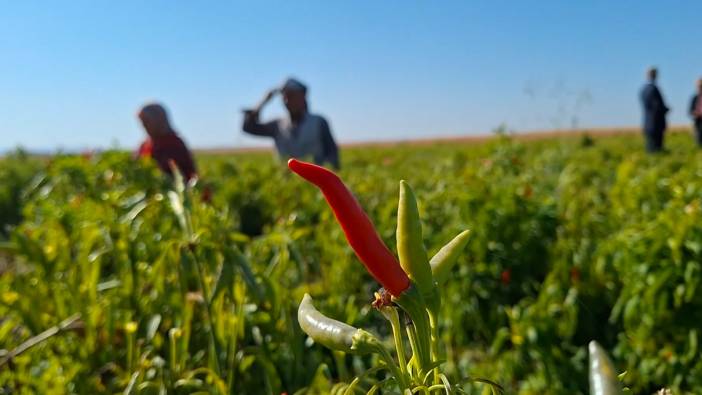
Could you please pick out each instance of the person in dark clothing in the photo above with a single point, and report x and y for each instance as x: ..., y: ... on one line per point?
x: 696, y: 113
x: 300, y: 135
x: 163, y: 143
x: 655, y: 110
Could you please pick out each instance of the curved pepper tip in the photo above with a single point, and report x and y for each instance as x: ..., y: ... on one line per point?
x: 310, y: 171
x: 292, y: 163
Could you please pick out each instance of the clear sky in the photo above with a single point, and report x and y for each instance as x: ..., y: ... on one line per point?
x: 72, y: 75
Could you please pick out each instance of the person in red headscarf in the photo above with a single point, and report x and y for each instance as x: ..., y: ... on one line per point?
x: 163, y: 143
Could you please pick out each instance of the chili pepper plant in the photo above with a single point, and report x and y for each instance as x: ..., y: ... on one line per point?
x: 410, y: 289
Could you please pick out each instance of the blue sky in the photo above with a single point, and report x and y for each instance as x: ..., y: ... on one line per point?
x: 73, y: 75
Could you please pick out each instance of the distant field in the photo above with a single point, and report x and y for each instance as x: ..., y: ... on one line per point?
x: 575, y: 237
x: 472, y: 139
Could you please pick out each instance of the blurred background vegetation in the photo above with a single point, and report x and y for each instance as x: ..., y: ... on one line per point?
x: 573, y: 239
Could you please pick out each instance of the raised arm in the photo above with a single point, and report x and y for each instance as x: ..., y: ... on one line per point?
x: 252, y: 125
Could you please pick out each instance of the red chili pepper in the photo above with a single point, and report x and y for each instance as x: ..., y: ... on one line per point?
x: 206, y: 194
x: 506, y: 277
x: 574, y: 274
x: 87, y: 154
x: 528, y: 191
x: 359, y: 229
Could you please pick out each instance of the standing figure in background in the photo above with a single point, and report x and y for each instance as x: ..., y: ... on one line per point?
x: 300, y: 135
x: 655, y: 110
x: 163, y: 143
x: 696, y: 113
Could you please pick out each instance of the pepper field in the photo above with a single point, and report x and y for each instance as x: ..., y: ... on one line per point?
x: 103, y: 290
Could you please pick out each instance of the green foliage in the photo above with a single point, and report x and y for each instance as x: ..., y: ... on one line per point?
x: 16, y: 171
x: 569, y: 242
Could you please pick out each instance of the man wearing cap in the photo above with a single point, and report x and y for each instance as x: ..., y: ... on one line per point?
x: 163, y: 144
x: 300, y: 135
x: 654, y: 113
x: 696, y: 112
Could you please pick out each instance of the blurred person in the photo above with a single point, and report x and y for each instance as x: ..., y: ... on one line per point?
x: 163, y: 143
x: 300, y: 135
x: 655, y: 110
x: 696, y: 112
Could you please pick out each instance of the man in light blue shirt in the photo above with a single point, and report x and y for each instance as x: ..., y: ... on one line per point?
x: 300, y: 135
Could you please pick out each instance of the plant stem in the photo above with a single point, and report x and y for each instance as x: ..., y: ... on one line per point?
x: 183, y: 214
x: 434, y: 324
x: 340, y: 362
x: 414, y: 346
x: 173, y: 335
x: 391, y: 314
x: 411, y: 302
x: 63, y: 326
x: 208, y: 312
x: 130, y: 351
x: 401, y: 379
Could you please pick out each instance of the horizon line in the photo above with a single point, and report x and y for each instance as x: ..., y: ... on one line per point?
x: 535, y: 134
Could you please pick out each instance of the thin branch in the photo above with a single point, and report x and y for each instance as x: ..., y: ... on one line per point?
x: 62, y: 326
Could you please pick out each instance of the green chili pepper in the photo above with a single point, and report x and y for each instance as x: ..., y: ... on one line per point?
x: 324, y: 330
x: 603, y: 377
x: 337, y: 335
x: 410, y: 246
x: 443, y: 261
